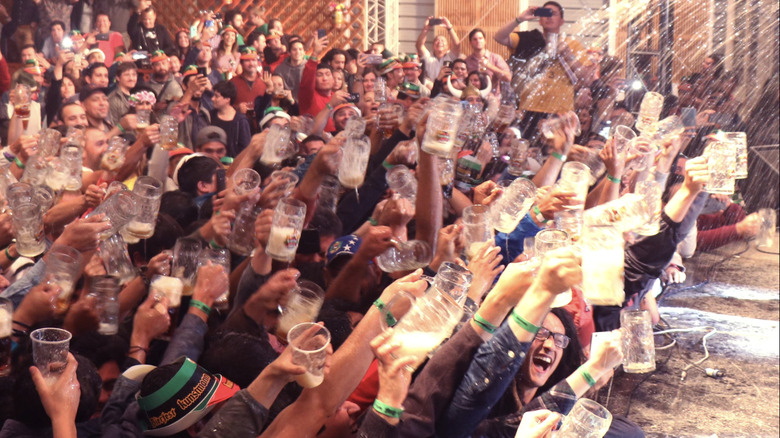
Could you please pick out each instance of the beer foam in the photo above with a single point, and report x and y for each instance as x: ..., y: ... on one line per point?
x: 5, y: 323
x: 171, y: 287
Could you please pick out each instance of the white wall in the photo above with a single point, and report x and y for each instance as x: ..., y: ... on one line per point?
x: 411, y: 19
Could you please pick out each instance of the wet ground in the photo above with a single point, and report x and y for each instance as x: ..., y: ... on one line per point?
x: 740, y: 301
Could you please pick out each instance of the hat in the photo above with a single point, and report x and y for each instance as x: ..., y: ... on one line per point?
x: 119, y: 55
x: 229, y: 28
x: 142, y: 94
x: 410, y: 90
x: 159, y: 56
x: 86, y: 92
x: 273, y: 34
x: 388, y: 66
x: 76, y: 35
x: 181, y: 402
x: 96, y: 51
x: 271, y: 113
x: 180, y: 150
x: 410, y: 61
x: 189, y: 70
x: 344, y: 245
x: 31, y: 66
x: 209, y: 134
x: 347, y: 105
x: 248, y: 52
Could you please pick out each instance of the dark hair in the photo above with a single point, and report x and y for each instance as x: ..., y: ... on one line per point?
x: 57, y: 23
x: 27, y: 46
x: 460, y: 61
x: 295, y: 41
x: 717, y: 64
x: 195, y: 170
x: 166, y: 231
x: 231, y: 14
x: 227, y: 89
x: 326, y: 222
x: 90, y: 70
x: 475, y: 31
x: 60, y: 112
x: 571, y: 358
x: 324, y: 66
x: 100, y: 349
x: 125, y: 66
x: 28, y: 408
x: 556, y: 4
x: 328, y: 58
x: 180, y: 206
x: 482, y: 79
x: 254, y: 36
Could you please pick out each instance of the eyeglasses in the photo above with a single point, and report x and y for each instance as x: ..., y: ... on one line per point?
x: 561, y: 341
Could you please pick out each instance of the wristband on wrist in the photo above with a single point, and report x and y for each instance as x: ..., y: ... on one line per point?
x: 329, y: 106
x: 387, y: 410
x: 373, y: 221
x: 26, y: 327
x: 120, y: 127
x: 214, y: 245
x: 387, y: 165
x: 200, y: 306
x: 390, y: 319
x: 539, y: 216
x: 18, y: 162
x: 518, y: 20
x: 523, y: 323
x: 588, y: 378
x: 8, y: 254
x: 484, y: 324
x: 613, y: 179
x: 558, y: 156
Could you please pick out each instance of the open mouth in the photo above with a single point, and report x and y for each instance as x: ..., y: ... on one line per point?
x: 542, y: 362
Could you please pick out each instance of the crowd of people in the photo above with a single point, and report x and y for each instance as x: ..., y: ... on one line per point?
x: 107, y: 77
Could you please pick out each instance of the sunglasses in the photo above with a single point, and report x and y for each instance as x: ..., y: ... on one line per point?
x: 561, y: 341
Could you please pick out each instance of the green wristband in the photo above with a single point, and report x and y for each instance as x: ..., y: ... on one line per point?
x: 200, y: 306
x: 613, y: 179
x: 588, y: 378
x: 539, y: 216
x: 387, y: 165
x: 214, y: 245
x: 373, y: 221
x: 121, y: 129
x: 391, y: 321
x: 486, y: 326
x: 558, y: 156
x: 387, y: 410
x: 523, y: 323
x: 18, y: 162
x: 8, y: 255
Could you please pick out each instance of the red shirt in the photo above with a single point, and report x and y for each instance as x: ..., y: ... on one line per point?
x: 311, y: 101
x: 246, y: 93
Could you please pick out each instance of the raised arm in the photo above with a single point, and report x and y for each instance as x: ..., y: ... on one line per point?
x: 504, y: 33
x: 308, y: 413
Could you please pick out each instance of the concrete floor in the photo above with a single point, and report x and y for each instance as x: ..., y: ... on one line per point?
x: 741, y: 301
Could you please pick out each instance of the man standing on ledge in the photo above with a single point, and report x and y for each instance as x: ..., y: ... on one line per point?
x: 553, y: 91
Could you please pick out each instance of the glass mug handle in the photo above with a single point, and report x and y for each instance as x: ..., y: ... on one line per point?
x: 388, y: 319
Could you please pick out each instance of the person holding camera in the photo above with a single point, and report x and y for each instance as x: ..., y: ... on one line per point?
x: 567, y: 68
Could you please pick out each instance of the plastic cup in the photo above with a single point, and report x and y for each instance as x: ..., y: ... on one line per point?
x: 50, y: 351
x: 309, y: 342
